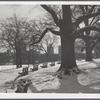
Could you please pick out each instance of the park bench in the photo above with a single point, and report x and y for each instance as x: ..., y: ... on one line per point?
x: 22, y: 86
x: 59, y: 62
x: 24, y: 71
x: 44, y: 65
x: 52, y: 64
x: 35, y: 68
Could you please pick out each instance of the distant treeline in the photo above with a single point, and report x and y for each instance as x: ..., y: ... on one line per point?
x: 28, y: 58
x: 31, y: 58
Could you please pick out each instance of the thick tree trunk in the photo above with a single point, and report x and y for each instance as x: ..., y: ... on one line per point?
x: 68, y: 61
x: 88, y: 52
x: 17, y: 60
x: 16, y: 54
x: 68, y: 54
x: 20, y: 58
x: 47, y: 57
x: 88, y: 48
x: 97, y: 54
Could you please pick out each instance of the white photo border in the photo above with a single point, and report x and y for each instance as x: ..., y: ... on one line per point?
x: 49, y: 95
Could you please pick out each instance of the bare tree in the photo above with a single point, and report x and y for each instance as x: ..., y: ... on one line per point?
x: 15, y: 36
x: 83, y: 10
x: 68, y: 31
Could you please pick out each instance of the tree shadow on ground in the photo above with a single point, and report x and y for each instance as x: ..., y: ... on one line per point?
x: 72, y: 86
x: 75, y: 87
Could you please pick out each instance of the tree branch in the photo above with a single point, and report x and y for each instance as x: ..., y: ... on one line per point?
x: 53, y: 14
x: 84, y: 17
x: 82, y: 8
x: 92, y: 21
x: 92, y: 8
x: 96, y: 40
x: 94, y: 44
x: 43, y: 34
x: 96, y: 21
x: 87, y: 28
x: 84, y: 37
x: 43, y: 48
x: 54, y: 32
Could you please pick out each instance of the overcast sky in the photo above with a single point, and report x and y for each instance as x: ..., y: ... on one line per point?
x: 29, y: 11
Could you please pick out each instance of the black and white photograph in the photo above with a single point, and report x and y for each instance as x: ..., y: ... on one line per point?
x: 50, y: 48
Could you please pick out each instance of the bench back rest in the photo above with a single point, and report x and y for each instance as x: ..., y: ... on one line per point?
x: 25, y: 70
